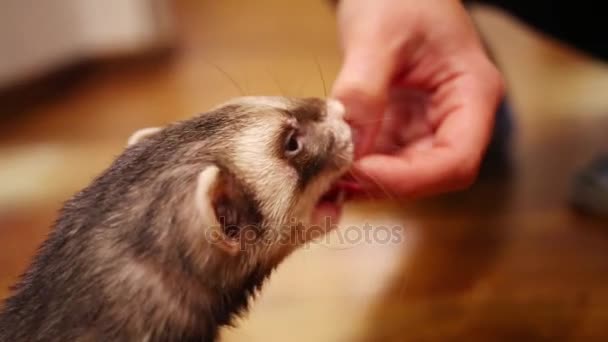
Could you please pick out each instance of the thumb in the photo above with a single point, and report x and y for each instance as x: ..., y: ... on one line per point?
x: 362, y: 86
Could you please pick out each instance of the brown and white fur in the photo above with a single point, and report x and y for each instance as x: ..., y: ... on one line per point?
x: 172, y: 240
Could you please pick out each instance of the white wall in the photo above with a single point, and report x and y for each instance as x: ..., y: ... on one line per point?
x: 37, y: 36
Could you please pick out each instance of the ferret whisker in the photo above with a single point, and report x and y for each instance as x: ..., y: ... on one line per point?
x: 229, y: 77
x: 246, y: 81
x: 343, y: 159
x: 276, y: 81
x: 369, y: 121
x: 300, y: 88
x: 367, y: 192
x: 320, y: 70
x: 376, y: 183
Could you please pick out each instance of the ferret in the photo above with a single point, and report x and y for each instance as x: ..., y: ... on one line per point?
x: 172, y: 241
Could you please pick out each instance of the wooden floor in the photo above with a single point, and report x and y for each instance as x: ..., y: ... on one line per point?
x: 506, y: 261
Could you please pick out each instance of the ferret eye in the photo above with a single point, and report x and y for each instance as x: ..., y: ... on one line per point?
x: 293, y: 145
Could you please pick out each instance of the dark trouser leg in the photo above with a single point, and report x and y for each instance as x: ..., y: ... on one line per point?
x: 580, y: 24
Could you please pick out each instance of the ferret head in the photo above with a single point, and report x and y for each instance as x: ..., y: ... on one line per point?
x: 253, y: 172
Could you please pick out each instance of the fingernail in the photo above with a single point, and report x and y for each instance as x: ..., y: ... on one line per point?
x: 361, y: 128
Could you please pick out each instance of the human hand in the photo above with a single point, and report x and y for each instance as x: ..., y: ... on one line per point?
x: 420, y: 94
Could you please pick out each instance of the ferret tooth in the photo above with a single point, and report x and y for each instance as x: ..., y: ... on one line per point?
x: 340, y: 197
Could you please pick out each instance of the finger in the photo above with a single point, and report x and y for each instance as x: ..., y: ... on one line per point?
x: 474, y: 98
x: 424, y: 174
x: 362, y: 85
x: 453, y: 161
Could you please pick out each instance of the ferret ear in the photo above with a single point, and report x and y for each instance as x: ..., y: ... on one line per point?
x: 209, y: 195
x: 141, y: 134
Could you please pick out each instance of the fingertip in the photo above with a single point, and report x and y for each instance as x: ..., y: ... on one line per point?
x: 363, y: 113
x: 362, y: 86
x: 375, y: 174
x: 363, y: 89
x: 374, y: 166
x: 363, y: 138
x: 359, y: 95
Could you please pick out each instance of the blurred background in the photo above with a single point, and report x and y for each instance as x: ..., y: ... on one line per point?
x: 506, y: 260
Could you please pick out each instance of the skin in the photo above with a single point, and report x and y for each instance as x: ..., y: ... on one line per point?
x: 420, y: 94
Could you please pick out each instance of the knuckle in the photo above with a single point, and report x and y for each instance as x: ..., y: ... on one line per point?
x: 465, y: 173
x: 495, y: 80
x: 499, y: 82
x: 360, y: 101
x: 357, y: 89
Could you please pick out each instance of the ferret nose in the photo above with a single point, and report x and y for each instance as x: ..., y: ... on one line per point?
x: 335, y: 109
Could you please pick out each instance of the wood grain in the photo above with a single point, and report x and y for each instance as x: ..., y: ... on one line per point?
x: 507, y: 260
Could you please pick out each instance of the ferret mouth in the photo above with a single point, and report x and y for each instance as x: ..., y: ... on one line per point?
x: 328, y: 209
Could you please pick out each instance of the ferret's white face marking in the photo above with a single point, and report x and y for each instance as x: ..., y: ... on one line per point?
x: 272, y: 158
x: 253, y: 165
x: 335, y: 109
x: 271, y: 179
x: 288, y: 185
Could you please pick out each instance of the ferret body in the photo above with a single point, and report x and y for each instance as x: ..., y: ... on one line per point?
x: 172, y: 240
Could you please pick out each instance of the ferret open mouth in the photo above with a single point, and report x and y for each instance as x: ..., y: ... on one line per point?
x: 329, y: 206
